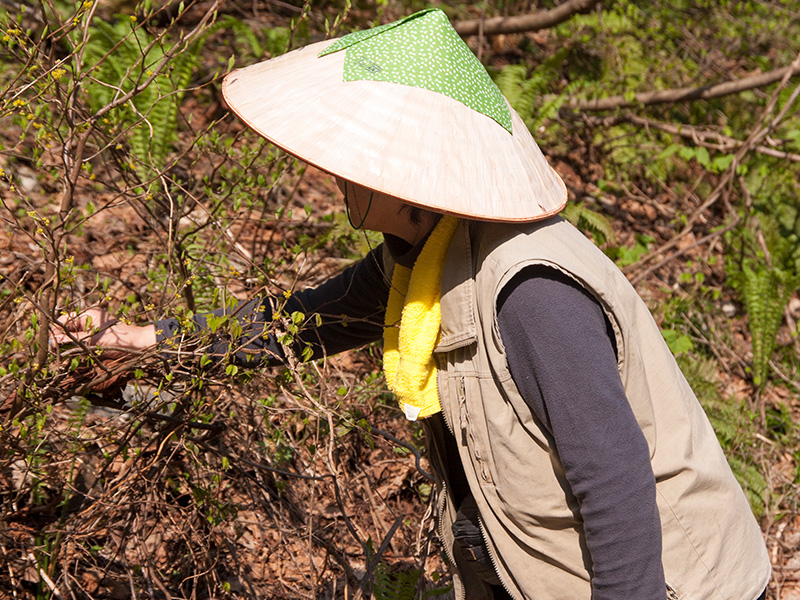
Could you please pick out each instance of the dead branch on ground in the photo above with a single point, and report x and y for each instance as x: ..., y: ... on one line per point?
x: 518, y: 24
x: 704, y: 92
x: 699, y: 136
x: 759, y: 132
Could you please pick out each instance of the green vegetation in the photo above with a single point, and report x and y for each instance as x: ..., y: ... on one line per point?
x: 124, y: 183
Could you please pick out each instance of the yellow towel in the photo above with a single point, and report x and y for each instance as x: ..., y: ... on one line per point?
x: 412, y: 324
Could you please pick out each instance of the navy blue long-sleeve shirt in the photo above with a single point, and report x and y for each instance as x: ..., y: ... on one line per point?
x: 350, y: 308
x: 561, y: 355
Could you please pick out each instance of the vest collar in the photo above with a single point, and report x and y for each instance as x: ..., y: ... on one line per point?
x: 459, y: 327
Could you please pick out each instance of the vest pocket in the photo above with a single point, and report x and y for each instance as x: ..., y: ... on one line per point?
x: 469, y: 435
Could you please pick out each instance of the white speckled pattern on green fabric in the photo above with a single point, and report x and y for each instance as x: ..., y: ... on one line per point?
x: 422, y: 50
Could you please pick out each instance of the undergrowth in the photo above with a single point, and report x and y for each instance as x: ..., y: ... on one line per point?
x: 125, y: 184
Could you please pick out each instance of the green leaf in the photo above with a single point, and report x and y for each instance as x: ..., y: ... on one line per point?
x: 678, y: 343
x: 722, y: 162
x: 687, y: 153
x: 669, y: 151
x: 701, y: 154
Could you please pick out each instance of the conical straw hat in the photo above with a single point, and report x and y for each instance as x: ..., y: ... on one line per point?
x: 405, y: 109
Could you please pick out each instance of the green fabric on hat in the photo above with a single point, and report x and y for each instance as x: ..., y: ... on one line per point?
x: 422, y: 50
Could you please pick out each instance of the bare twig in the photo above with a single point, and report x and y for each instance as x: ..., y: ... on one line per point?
x: 156, y: 70
x: 518, y: 24
x: 704, y: 92
x: 409, y: 447
x: 672, y: 256
x: 47, y: 305
x: 757, y: 134
x: 481, y: 32
x: 699, y: 136
x: 373, y: 507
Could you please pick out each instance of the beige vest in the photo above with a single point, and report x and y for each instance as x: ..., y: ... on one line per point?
x: 712, y: 545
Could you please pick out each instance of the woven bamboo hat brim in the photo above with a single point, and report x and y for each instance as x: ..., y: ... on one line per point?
x: 423, y: 147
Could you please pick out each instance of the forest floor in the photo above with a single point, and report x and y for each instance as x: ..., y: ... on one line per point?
x: 288, y: 537
x: 293, y: 483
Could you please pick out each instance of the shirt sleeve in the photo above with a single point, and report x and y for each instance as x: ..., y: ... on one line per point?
x: 562, y: 357
x: 344, y: 312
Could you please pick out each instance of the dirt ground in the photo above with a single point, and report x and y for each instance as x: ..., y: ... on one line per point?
x: 287, y: 483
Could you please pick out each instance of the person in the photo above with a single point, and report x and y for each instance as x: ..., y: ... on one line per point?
x: 572, y: 458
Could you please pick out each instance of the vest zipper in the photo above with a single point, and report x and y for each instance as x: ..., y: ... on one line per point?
x: 447, y: 550
x: 483, y: 469
x: 447, y: 422
x: 671, y: 593
x: 462, y: 402
x: 490, y: 550
x: 443, y: 497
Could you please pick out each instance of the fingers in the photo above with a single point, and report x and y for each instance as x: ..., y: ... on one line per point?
x: 92, y: 318
x: 89, y: 326
x: 96, y: 327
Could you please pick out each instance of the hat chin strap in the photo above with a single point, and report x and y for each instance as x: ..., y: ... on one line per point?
x: 347, y: 207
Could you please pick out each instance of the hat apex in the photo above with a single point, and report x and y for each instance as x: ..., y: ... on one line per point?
x: 422, y: 50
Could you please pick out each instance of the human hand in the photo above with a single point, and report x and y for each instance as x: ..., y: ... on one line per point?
x: 95, y: 327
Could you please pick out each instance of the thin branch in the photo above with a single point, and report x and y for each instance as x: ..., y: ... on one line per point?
x: 757, y: 135
x: 539, y: 20
x: 704, y: 92
x: 163, y: 63
x: 409, y: 447
x: 681, y: 251
x: 701, y: 137
x: 47, y: 306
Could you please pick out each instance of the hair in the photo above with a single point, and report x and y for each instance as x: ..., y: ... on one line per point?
x: 414, y: 213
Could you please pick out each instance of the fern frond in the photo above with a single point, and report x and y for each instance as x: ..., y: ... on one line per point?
x: 510, y: 81
x: 551, y: 108
x: 766, y: 291
x: 400, y: 585
x: 182, y: 68
x: 162, y: 117
x: 752, y: 482
x: 588, y: 220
